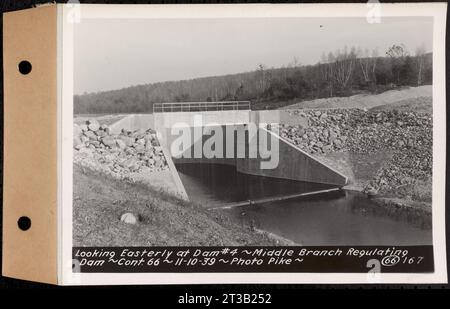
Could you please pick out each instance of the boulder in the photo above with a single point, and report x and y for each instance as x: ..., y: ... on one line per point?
x: 100, y: 133
x: 154, y: 141
x: 129, y: 141
x: 128, y: 163
x: 125, y: 132
x: 84, y: 139
x: 91, y: 135
x: 370, y: 191
x: 84, y: 127
x: 93, y: 125
x: 118, y: 155
x: 139, y: 148
x: 109, y: 141
x: 159, y: 162
x: 139, y: 133
x: 327, y: 148
x: 337, y: 143
x: 128, y: 218
x: 323, y: 117
x: 311, y: 135
x: 96, y: 144
x: 140, y: 141
x: 332, y: 136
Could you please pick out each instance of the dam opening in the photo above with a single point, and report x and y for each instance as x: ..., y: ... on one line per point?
x: 299, y: 198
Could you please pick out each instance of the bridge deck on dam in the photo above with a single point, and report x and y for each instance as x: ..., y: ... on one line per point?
x: 252, y: 148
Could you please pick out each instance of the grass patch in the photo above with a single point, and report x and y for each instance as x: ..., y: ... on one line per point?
x: 162, y: 219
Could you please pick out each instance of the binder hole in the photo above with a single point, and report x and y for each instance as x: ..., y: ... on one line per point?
x: 25, y: 67
x: 24, y: 223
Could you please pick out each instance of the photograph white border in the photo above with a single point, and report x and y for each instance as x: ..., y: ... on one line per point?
x: 76, y: 13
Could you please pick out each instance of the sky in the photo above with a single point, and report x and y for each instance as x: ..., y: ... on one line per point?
x: 116, y: 53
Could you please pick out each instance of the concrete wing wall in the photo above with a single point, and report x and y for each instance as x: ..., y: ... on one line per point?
x: 293, y: 163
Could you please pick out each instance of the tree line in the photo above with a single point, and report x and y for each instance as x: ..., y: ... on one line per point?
x: 340, y: 73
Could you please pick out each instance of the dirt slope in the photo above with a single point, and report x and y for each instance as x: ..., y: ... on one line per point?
x: 367, y: 101
x: 162, y: 220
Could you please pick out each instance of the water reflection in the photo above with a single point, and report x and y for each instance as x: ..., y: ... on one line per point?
x: 335, y: 218
x: 216, y: 184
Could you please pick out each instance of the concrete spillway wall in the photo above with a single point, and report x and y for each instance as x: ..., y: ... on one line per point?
x: 285, y: 160
x: 293, y: 164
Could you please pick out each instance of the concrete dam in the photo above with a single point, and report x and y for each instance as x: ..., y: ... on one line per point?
x: 198, y: 136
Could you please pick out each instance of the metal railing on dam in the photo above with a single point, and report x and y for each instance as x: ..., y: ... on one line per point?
x: 200, y: 106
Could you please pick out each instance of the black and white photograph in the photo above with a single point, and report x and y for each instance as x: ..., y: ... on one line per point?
x: 224, y: 153
x: 301, y: 131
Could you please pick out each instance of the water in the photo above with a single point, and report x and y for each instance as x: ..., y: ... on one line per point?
x: 336, y: 218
